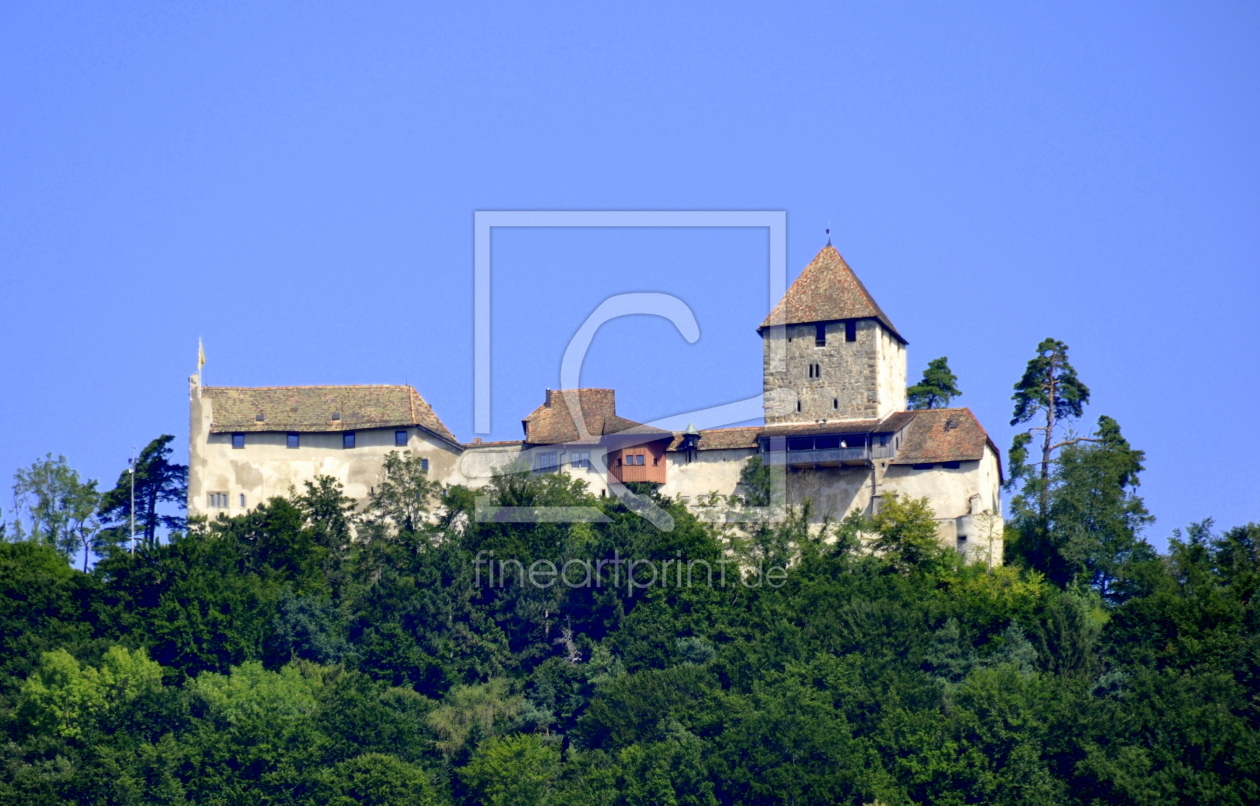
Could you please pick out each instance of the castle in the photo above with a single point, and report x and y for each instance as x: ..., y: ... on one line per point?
x: 834, y: 397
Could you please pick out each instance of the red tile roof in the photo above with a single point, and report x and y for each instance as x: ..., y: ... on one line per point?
x: 943, y: 435
x: 929, y: 437
x: 827, y: 291
x: 553, y: 424
x: 720, y: 439
x: 311, y: 408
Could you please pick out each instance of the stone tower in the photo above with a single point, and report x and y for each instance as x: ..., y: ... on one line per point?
x: 830, y: 352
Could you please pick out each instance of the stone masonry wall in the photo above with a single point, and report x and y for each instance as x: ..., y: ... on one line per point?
x: 863, y: 379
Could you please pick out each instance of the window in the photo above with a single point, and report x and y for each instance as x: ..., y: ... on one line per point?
x: 424, y: 465
x: 835, y: 402
x: 798, y: 405
x: 815, y: 370
x: 216, y: 500
x: 238, y: 440
x: 400, y: 439
x: 294, y: 440
x: 850, y: 330
x: 347, y: 439
x: 820, y: 336
x: 242, y: 500
x: 546, y: 462
x: 951, y: 465
x: 927, y: 466
x: 883, y: 440
x: 580, y: 459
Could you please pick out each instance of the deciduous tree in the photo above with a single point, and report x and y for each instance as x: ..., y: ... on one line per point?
x: 59, y: 506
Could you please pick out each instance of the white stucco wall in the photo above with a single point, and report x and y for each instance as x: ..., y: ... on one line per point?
x: 266, y: 467
x: 710, y: 472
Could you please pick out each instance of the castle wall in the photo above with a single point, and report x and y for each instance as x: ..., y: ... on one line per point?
x: 710, y: 472
x: 267, y: 467
x: 862, y: 379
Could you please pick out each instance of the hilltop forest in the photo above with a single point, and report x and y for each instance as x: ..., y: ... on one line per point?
x: 317, y: 652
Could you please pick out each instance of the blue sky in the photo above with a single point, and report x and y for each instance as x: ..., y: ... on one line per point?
x: 295, y: 183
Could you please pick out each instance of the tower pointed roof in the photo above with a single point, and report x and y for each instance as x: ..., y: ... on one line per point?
x: 827, y: 291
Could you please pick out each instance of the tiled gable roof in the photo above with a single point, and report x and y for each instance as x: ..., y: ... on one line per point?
x: 311, y: 408
x: 931, y: 436
x: 747, y: 436
x: 721, y: 439
x: 827, y: 291
x: 553, y: 424
x: 943, y: 435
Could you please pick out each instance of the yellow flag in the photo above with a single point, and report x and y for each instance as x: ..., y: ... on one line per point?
x: 201, y: 356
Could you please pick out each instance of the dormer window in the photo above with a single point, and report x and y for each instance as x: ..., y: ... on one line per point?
x: 336, y: 416
x: 259, y: 418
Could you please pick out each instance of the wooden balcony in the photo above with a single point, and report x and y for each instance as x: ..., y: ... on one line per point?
x: 823, y: 451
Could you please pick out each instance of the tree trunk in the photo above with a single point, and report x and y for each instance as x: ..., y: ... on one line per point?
x: 1051, y: 389
x: 150, y: 520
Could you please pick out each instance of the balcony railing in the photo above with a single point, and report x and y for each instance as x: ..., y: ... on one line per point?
x: 827, y: 456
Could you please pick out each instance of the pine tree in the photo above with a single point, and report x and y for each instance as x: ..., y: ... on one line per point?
x: 936, y: 389
x: 158, y: 481
x: 1050, y: 392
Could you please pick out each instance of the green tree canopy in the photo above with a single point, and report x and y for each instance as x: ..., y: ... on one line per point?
x: 905, y: 533
x: 937, y: 387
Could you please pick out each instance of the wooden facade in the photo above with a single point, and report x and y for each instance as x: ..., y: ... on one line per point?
x: 644, y: 462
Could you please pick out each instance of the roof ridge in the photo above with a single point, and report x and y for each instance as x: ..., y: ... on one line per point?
x: 323, y: 386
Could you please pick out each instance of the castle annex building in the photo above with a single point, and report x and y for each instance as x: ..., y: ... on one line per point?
x: 834, y: 383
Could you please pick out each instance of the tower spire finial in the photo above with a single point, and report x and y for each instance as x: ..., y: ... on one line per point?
x: 828, y: 231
